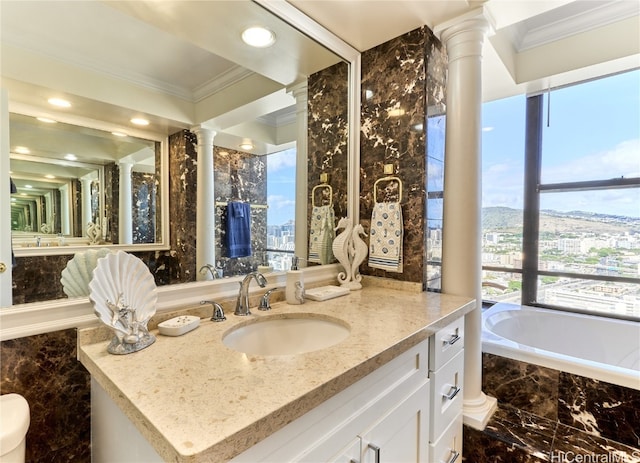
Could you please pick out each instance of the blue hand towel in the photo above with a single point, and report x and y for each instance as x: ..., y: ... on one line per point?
x: 239, y: 229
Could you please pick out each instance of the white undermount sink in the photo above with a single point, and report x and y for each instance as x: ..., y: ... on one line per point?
x: 286, y: 334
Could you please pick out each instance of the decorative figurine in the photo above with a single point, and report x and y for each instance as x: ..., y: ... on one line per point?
x: 340, y: 249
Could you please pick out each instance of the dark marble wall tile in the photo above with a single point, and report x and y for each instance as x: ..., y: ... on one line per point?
x: 327, y: 128
x: 38, y: 278
x: 45, y: 371
x: 600, y: 408
x: 240, y: 176
x: 112, y: 201
x: 143, y: 190
x: 402, y: 86
x: 525, y: 386
x: 183, y: 156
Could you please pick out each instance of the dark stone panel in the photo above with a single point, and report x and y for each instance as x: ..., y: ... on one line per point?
x: 600, y: 408
x: 413, y: 82
x: 570, y: 444
x: 143, y: 190
x: 44, y: 369
x: 240, y: 176
x: 327, y: 134
x: 38, y: 278
x: 112, y: 201
x: 479, y: 447
x: 525, y: 386
x: 183, y: 156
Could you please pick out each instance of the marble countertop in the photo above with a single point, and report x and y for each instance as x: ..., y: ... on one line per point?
x: 194, y: 399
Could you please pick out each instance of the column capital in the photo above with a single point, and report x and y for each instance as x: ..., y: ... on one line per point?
x: 204, y: 134
x: 464, y: 35
x: 299, y: 92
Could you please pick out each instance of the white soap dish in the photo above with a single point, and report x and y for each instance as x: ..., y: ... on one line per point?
x: 179, y: 325
x: 323, y: 293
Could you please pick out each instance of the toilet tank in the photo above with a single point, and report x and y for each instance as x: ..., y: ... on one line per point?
x: 14, y: 423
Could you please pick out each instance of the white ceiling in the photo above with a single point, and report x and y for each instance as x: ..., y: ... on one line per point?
x: 179, y: 63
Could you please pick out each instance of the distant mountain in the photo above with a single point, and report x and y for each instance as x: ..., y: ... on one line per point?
x: 505, y: 219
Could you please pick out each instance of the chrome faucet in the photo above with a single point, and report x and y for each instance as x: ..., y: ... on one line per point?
x: 218, y: 312
x: 214, y: 271
x: 242, y: 305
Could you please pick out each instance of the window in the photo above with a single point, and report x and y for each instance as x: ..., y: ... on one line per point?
x: 577, y: 243
x: 281, y: 223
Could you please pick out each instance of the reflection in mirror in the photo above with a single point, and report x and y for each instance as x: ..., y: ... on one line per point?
x: 70, y: 182
x: 187, y: 73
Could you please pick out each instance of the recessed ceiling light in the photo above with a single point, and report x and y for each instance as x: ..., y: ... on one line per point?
x: 49, y: 176
x: 118, y: 134
x: 46, y: 120
x: 71, y: 157
x: 139, y: 121
x: 28, y: 186
x: 246, y: 146
x: 59, y: 102
x: 259, y: 37
x: 22, y: 150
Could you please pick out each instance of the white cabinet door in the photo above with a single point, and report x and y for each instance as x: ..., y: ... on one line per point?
x: 349, y: 454
x: 401, y: 435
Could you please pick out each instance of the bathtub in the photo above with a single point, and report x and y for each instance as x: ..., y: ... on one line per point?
x: 595, y: 347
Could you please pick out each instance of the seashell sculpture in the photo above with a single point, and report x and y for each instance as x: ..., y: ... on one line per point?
x: 340, y: 249
x: 358, y: 250
x: 124, y: 297
x: 78, y: 273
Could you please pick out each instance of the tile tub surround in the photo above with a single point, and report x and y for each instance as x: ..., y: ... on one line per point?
x: 183, y: 421
x: 601, y: 409
x: 514, y: 436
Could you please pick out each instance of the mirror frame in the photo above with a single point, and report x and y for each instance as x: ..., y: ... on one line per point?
x: 47, y: 316
x: 161, y: 245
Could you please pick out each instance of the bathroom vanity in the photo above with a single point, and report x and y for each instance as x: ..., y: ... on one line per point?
x: 391, y: 388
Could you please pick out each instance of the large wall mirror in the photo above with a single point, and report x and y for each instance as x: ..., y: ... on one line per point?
x: 179, y: 65
x: 67, y: 188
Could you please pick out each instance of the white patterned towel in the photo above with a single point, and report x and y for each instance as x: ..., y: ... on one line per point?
x: 385, y: 237
x: 321, y: 235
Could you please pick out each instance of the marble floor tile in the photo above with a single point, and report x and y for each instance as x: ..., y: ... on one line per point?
x: 480, y: 447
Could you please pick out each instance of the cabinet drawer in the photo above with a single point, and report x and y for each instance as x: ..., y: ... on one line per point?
x: 448, y: 449
x: 446, y: 343
x: 446, y: 395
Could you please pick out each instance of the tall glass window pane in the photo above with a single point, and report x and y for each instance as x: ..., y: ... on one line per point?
x: 281, y: 198
x: 503, y: 181
x: 593, y: 130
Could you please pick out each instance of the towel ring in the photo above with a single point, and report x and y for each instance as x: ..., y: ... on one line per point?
x: 387, y: 179
x: 313, y: 194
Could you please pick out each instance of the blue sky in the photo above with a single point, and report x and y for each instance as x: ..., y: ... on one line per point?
x: 281, y: 186
x: 593, y: 133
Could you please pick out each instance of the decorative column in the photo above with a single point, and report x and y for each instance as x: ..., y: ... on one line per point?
x: 462, y: 227
x: 85, y: 195
x: 205, y: 202
x: 299, y: 92
x: 125, y: 222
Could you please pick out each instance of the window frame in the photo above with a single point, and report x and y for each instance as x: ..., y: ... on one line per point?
x: 533, y: 188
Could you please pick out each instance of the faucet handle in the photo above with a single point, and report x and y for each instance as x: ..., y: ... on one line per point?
x: 218, y: 311
x: 265, y: 303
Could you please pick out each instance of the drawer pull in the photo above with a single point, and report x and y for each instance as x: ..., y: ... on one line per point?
x: 452, y: 340
x: 454, y: 456
x: 452, y: 393
x: 376, y: 449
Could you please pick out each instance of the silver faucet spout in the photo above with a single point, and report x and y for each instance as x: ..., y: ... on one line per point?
x: 242, y: 305
x: 214, y: 272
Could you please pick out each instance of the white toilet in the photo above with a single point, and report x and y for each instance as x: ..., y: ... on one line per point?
x: 14, y: 423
